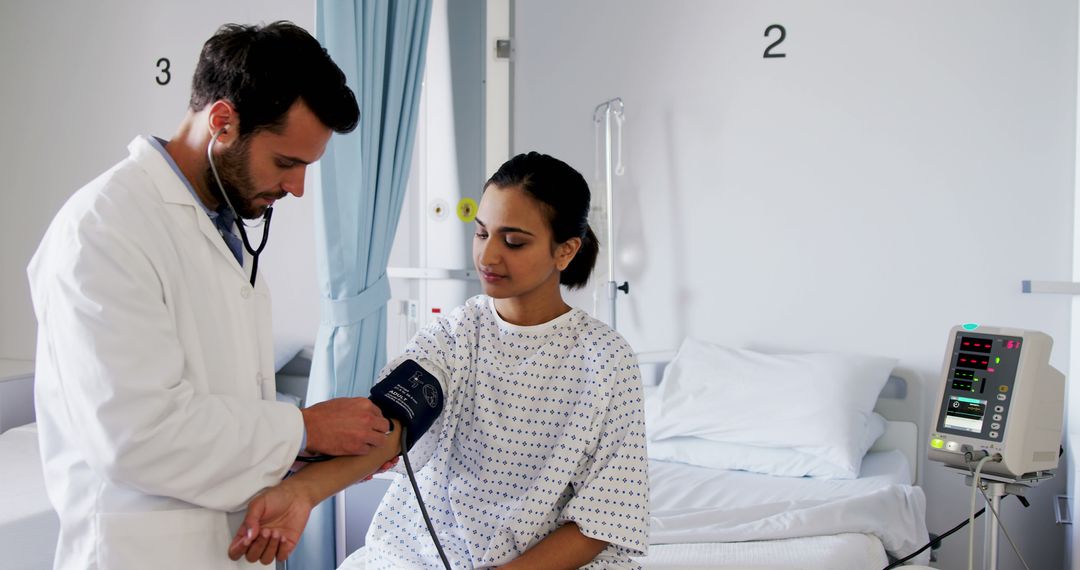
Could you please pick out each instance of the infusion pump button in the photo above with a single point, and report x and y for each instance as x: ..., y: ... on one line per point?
x: 995, y: 425
x: 937, y: 443
x: 1002, y: 397
x: 997, y: 417
x: 993, y: 434
x: 999, y: 408
x: 952, y: 446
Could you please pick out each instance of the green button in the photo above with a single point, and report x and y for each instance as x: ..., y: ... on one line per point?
x: 937, y: 443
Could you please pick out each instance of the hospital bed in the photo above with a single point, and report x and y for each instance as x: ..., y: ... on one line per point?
x: 28, y: 525
x: 705, y: 517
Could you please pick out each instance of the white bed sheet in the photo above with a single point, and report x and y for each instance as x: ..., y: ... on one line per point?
x: 735, y: 514
x: 28, y: 525
x: 676, y: 486
x: 834, y: 552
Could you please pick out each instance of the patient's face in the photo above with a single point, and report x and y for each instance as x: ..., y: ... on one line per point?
x: 513, y: 247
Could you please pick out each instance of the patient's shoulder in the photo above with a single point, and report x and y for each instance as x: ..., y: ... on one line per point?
x: 606, y: 357
x: 593, y: 332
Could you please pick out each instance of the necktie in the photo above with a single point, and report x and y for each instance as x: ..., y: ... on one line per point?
x: 224, y: 222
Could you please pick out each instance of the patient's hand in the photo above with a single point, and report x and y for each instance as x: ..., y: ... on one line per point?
x: 276, y: 517
x: 273, y: 524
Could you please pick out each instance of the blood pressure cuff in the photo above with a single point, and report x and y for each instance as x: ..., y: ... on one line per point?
x: 412, y: 396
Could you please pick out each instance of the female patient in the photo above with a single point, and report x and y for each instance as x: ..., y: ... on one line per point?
x: 538, y: 458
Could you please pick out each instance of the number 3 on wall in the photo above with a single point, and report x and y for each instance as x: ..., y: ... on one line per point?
x: 783, y: 34
x: 164, y: 74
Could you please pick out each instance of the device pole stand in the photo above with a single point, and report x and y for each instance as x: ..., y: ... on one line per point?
x: 996, y: 491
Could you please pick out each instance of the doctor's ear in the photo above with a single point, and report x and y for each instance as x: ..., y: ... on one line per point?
x: 221, y: 117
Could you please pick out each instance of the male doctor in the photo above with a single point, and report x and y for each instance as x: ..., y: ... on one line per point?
x: 155, y: 389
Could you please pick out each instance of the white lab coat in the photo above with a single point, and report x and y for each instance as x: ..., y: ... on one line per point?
x: 155, y: 387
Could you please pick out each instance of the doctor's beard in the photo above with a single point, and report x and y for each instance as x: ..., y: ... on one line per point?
x: 233, y: 165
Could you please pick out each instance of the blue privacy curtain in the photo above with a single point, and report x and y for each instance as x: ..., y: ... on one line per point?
x: 380, y: 45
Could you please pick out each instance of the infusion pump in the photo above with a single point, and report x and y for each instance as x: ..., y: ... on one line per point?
x: 999, y: 395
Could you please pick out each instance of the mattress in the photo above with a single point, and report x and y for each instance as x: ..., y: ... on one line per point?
x: 28, y: 525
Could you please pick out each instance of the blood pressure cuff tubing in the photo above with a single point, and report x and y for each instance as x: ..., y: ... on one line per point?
x: 412, y: 396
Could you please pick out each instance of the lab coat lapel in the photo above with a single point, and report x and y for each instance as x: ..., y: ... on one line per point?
x: 173, y: 191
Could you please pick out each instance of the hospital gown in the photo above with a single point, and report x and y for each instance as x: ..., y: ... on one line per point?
x: 543, y: 425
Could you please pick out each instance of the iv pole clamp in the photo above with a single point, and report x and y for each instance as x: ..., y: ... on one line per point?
x: 605, y: 112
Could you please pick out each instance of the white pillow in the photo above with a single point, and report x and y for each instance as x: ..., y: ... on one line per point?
x: 772, y: 460
x: 817, y: 404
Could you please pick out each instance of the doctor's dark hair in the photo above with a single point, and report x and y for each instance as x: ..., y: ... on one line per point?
x: 263, y: 70
x: 564, y: 197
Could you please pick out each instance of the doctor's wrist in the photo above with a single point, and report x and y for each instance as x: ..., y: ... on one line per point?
x: 310, y: 441
x: 306, y: 427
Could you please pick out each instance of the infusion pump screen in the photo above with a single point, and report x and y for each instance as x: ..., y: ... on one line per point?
x: 979, y: 385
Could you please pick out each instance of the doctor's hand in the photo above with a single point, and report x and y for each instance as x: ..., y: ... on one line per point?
x: 344, y: 426
x: 273, y: 524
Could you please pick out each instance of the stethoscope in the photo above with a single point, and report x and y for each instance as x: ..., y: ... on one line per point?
x: 240, y: 221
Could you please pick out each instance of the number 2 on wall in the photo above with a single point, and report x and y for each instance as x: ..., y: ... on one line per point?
x: 783, y: 34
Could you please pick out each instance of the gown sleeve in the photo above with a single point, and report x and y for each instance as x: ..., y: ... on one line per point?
x: 612, y: 502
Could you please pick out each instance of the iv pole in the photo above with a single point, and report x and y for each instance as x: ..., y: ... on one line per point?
x: 605, y: 112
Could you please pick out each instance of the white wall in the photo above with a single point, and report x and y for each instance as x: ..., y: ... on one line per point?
x: 900, y: 171
x: 1072, y: 410
x: 79, y: 84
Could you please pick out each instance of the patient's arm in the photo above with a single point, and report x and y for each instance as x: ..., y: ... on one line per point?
x: 277, y: 516
x: 565, y: 547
